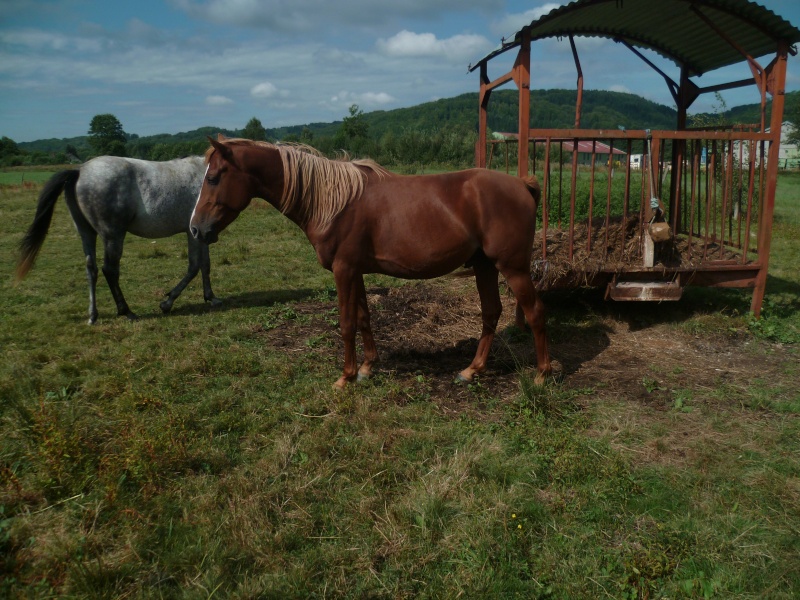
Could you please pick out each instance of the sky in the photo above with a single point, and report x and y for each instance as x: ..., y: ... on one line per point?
x: 176, y: 65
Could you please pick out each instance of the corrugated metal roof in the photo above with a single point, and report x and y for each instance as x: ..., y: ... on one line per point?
x: 672, y: 28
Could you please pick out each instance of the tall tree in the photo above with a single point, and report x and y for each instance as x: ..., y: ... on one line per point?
x: 106, y: 135
x: 254, y: 130
x: 355, y: 126
x: 8, y: 147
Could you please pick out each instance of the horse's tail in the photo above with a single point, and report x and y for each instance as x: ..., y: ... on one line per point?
x: 63, y: 181
x: 534, y: 188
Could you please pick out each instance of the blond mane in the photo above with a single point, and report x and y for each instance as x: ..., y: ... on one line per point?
x: 315, y: 188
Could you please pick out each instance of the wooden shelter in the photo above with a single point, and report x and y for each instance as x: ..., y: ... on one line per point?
x: 700, y: 211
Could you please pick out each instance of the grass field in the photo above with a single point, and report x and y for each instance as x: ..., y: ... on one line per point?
x: 205, y: 454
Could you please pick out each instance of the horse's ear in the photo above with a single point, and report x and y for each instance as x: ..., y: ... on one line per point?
x: 223, y: 150
x: 221, y: 137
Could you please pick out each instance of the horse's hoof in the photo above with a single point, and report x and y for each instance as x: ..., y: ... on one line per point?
x: 131, y: 316
x: 362, y: 377
x: 215, y: 302
x: 460, y: 379
x: 166, y: 306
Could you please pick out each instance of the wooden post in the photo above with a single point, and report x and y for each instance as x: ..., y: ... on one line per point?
x: 483, y: 99
x: 777, y: 89
x: 522, y: 77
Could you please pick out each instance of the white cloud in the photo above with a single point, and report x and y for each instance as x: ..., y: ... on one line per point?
x: 364, y: 99
x: 408, y: 44
x: 620, y: 88
x: 264, y: 90
x: 33, y: 39
x: 511, y: 24
x: 268, y: 89
x: 218, y: 100
x: 308, y: 15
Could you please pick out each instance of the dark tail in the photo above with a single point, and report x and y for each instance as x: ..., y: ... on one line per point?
x: 32, y: 242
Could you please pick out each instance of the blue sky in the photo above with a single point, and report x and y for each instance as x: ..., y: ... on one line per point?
x: 176, y: 65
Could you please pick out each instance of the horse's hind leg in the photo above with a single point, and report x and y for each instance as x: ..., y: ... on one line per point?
x: 370, y: 349
x: 111, y: 260
x: 533, y: 308
x: 89, y: 244
x: 491, y: 309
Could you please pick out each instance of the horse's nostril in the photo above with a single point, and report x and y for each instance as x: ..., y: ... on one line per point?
x: 193, y: 230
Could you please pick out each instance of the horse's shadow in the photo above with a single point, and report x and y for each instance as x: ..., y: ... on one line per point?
x: 256, y: 299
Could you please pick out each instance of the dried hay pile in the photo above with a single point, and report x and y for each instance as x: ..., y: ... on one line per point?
x: 614, y: 248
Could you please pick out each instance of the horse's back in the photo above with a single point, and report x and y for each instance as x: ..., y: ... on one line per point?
x: 475, y: 199
x: 427, y: 225
x: 149, y: 199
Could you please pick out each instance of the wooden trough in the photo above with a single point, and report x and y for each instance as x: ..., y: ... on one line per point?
x: 698, y: 208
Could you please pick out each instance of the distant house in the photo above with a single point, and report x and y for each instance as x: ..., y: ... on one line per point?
x: 601, y: 151
x: 585, y: 149
x: 788, y: 154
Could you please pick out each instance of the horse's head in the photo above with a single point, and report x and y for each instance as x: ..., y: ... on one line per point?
x: 227, y: 190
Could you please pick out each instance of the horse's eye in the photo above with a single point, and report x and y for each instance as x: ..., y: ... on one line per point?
x: 213, y: 179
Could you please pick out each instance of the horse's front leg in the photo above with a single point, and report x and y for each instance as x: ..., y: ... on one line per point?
x: 370, y: 349
x: 347, y: 292
x: 198, y: 261
x: 205, y: 272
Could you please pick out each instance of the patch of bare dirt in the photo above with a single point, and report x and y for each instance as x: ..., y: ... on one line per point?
x: 427, y: 332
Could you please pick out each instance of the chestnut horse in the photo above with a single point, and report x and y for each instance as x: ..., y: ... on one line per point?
x: 362, y: 219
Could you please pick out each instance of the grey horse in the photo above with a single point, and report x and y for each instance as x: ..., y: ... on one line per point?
x: 111, y: 196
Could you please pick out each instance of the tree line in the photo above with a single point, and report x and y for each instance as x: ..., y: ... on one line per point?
x: 441, y: 133
x: 446, y: 146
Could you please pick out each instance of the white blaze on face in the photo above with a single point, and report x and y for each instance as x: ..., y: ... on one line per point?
x: 198, y: 194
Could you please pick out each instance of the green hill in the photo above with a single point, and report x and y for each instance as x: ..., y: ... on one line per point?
x: 549, y: 108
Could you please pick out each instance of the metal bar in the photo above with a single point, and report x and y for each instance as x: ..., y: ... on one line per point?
x: 710, y: 196
x: 573, y: 184
x: 642, y: 195
x: 608, y: 196
x: 626, y: 200
x: 545, y: 211
x: 740, y: 192
x: 591, y: 201
x: 579, y: 99
x: 750, y: 191
x: 560, y: 178
x: 726, y: 195
x: 642, y: 134
x: 693, y: 196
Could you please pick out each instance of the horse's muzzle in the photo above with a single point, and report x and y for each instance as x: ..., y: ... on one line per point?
x: 207, y: 236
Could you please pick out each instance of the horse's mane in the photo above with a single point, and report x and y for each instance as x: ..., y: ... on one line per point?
x: 316, y: 188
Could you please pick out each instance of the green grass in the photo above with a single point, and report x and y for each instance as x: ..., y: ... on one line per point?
x: 183, y: 456
x: 31, y: 175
